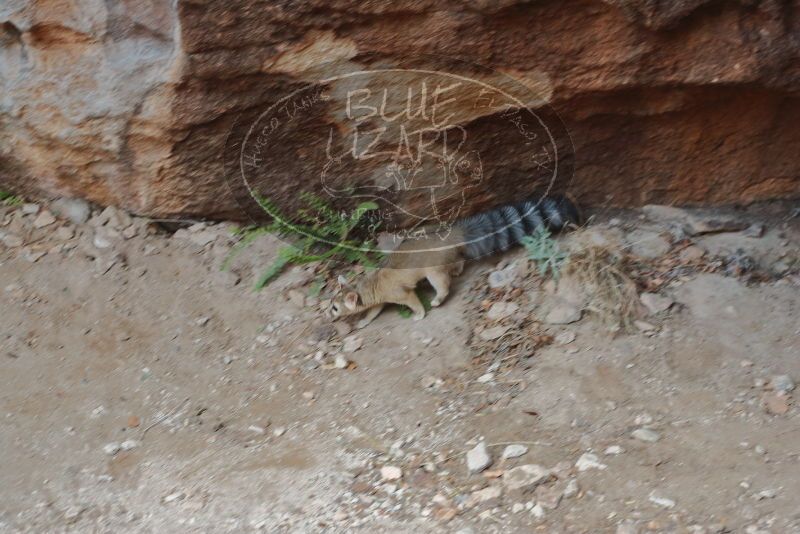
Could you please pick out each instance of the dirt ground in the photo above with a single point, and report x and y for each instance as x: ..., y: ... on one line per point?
x: 145, y: 390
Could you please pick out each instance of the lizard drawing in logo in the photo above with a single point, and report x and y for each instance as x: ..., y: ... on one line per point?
x: 437, y: 184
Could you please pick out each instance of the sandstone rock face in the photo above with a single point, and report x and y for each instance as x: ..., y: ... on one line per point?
x: 153, y: 105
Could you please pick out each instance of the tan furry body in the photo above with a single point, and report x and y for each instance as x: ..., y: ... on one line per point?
x: 435, y: 259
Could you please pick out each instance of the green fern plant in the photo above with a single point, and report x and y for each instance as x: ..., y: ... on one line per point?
x: 544, y: 250
x: 321, y: 235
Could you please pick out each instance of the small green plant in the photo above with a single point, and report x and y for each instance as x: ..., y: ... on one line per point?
x: 9, y: 199
x: 405, y: 312
x: 321, y: 235
x: 544, y: 250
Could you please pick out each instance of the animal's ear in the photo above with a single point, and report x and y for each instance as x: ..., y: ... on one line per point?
x: 351, y: 300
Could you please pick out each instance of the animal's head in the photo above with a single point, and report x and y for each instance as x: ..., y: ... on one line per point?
x: 347, y: 302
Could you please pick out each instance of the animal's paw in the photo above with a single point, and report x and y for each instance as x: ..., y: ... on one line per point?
x: 419, y: 316
x: 436, y: 302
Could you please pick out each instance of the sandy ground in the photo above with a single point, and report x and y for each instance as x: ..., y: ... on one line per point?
x: 144, y: 390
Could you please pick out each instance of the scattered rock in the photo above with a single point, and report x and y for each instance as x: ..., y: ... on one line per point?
x: 646, y: 434
x: 644, y: 326
x: 525, y: 477
x: 63, y: 233
x: 279, y: 431
x: 351, y: 344
x: 563, y: 313
x: 700, y: 226
x: 691, y: 253
x: 133, y: 422
x: 548, y: 496
x: 782, y: 383
x: 565, y: 338
x: 766, y: 494
x: 29, y: 208
x: 514, y: 451
x: 613, y: 450
x: 503, y: 278
x: 485, y: 378
x: 589, y: 461
x: 659, y: 500
x: 203, y: 238
x: 538, y: 511
x: 755, y: 230
x: 656, y: 303
x: 627, y: 527
x: 128, y: 444
x: 340, y: 362
x: 111, y: 448
x: 45, y: 218
x: 478, y: 458
x: 75, y: 210
x: 33, y: 255
x: 775, y: 404
x: 571, y: 489
x: 102, y: 238
x: 490, y: 495
x: 647, y: 244
x: 391, y: 472
x: 11, y: 240
x: 202, y: 321
x: 501, y: 310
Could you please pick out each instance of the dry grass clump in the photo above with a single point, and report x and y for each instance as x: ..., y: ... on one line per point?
x: 601, y: 271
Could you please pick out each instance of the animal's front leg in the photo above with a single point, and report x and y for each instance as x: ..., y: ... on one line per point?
x: 370, y: 316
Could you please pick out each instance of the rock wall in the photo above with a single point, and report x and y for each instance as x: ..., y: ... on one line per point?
x: 141, y: 103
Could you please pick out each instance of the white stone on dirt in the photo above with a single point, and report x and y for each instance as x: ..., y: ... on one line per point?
x: 483, y: 379
x: 279, y: 431
x: 351, y: 344
x: 563, y: 313
x: 538, y: 511
x: 478, y: 458
x: 102, y: 239
x: 517, y: 507
x: 613, y: 450
x: 111, y: 448
x: 340, y: 362
x: 75, y: 210
x: 45, y: 218
x: 766, y: 494
x: 571, y: 489
x: 659, y: 500
x: 514, y: 451
x: 589, y: 461
x: 646, y: 434
x: 128, y: 444
x: 644, y: 326
x: 656, y: 303
x: 627, y: 527
x: 782, y: 383
x: 391, y: 472
x: 525, y: 477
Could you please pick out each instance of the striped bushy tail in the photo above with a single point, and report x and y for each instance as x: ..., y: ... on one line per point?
x: 501, y: 228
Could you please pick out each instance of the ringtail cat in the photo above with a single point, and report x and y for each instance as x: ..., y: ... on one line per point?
x: 438, y: 259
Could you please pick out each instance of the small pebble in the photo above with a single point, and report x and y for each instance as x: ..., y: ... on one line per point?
x: 645, y: 434
x: 478, y: 458
x: 391, y: 472
x: 514, y: 451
